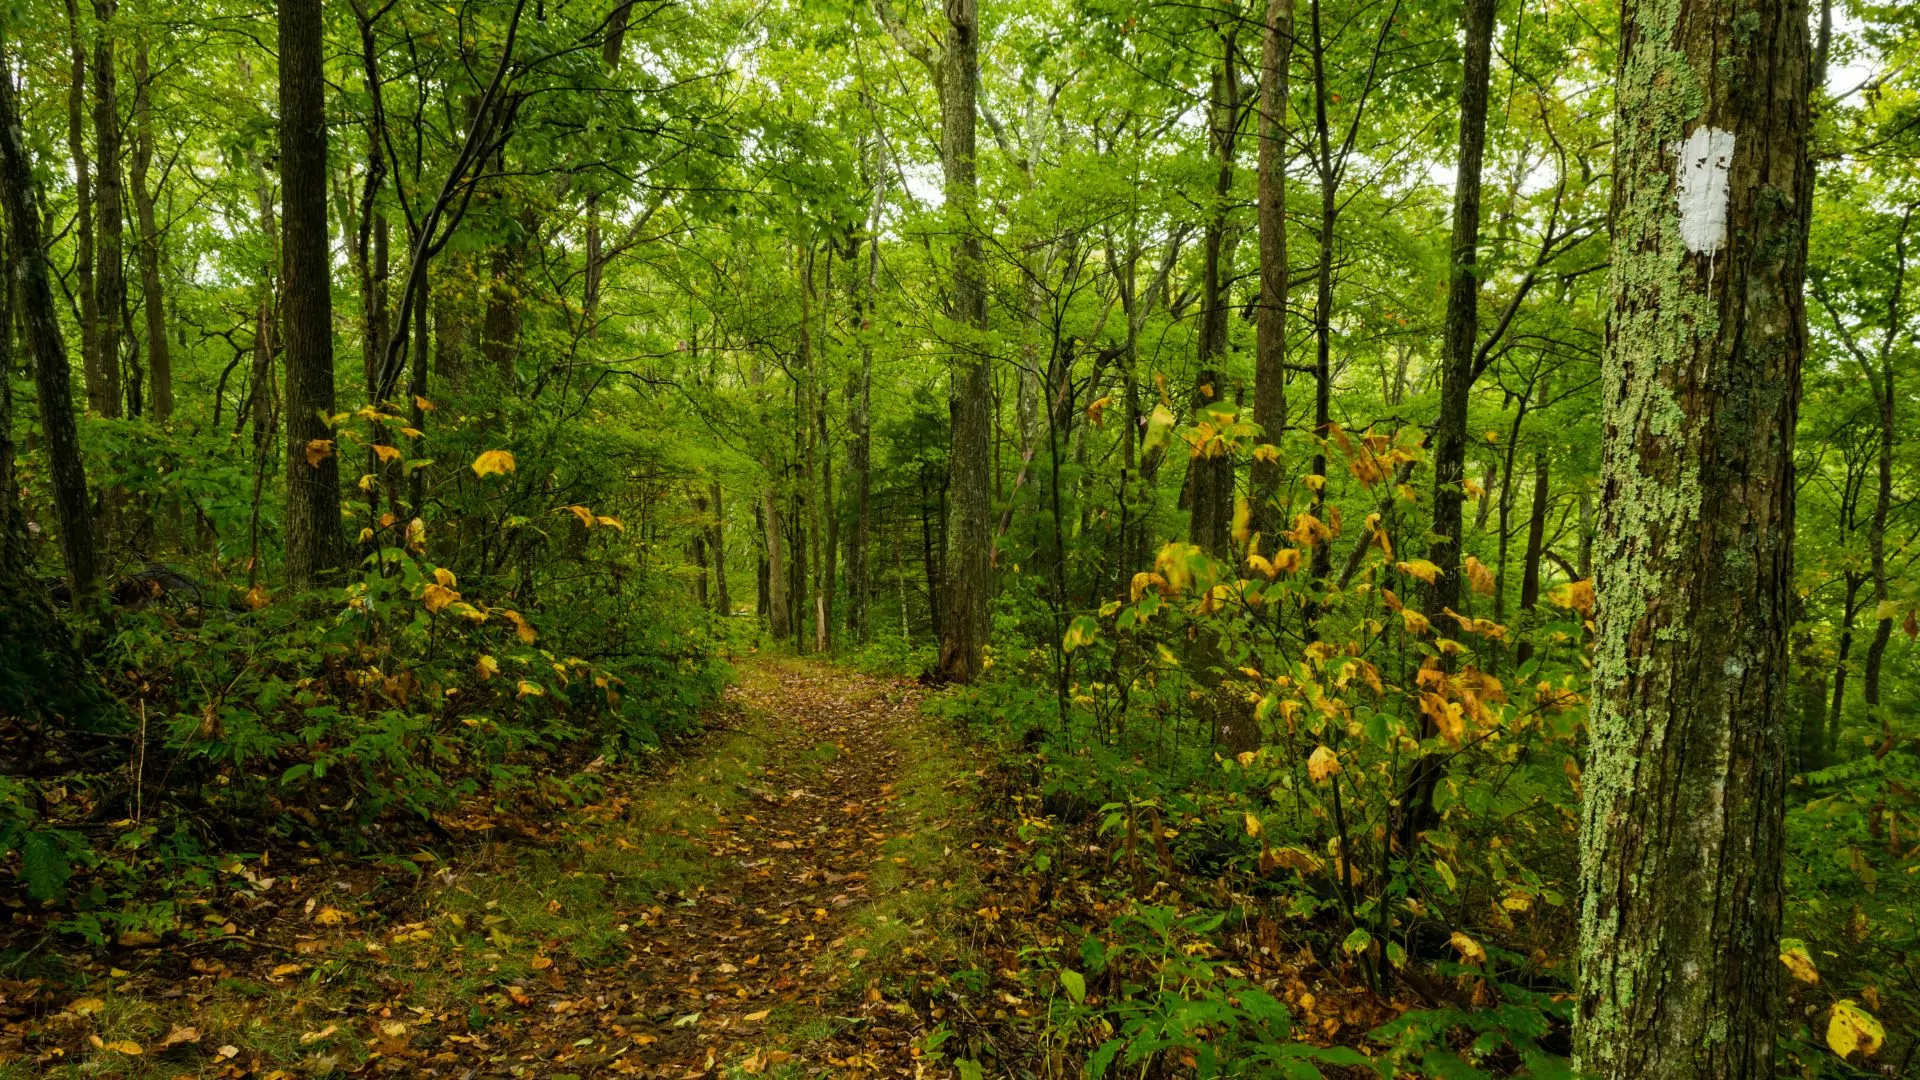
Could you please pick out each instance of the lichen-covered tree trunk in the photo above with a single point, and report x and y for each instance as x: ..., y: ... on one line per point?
x: 315, y: 543
x: 1684, y: 786
x: 967, y: 578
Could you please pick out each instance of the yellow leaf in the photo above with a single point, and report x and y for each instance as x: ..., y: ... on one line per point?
x: 1479, y: 577
x: 1096, y: 407
x: 1469, y: 949
x: 385, y: 453
x: 258, y: 597
x: 444, y: 576
x: 283, y: 970
x: 1253, y: 823
x: 416, y: 534
x: 756, y: 1017
x: 330, y: 916
x: 585, y: 515
x: 1421, y: 569
x: 1854, y: 1028
x: 1794, y: 954
x: 1242, y: 520
x: 493, y: 461
x: 87, y: 1006
x: 486, y: 667
x: 124, y: 1046
x: 315, y: 1036
x: 1416, y: 622
x: 1322, y: 764
x: 425, y: 405
x: 438, y: 597
x: 1266, y: 452
x: 529, y: 689
x: 319, y: 450
x: 520, y: 625
x: 613, y: 522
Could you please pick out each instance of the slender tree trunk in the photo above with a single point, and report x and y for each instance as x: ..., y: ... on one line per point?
x: 1456, y: 382
x: 1210, y: 479
x: 701, y: 527
x: 1322, y: 562
x: 1685, y: 784
x: 315, y: 544
x: 717, y: 538
x: 152, y: 298
x: 98, y: 397
x: 110, y: 283
x: 40, y: 330
x: 778, y: 626
x: 1270, y: 321
x: 968, y: 575
x: 1883, y: 495
x: 1536, y: 547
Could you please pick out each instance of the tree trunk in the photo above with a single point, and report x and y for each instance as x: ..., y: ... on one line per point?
x: 1270, y: 321
x: 1322, y: 560
x: 1883, y: 495
x: 776, y: 589
x: 152, y: 299
x: 1685, y: 784
x: 98, y: 396
x: 110, y: 283
x: 314, y: 540
x: 1210, y: 473
x: 699, y: 546
x: 40, y: 329
x: 1536, y: 548
x: 968, y: 574
x: 717, y: 539
x: 1456, y: 384
x: 1463, y: 314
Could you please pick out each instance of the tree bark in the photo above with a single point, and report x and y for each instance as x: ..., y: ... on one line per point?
x: 110, y: 282
x: 152, y: 298
x: 776, y: 590
x: 1210, y: 473
x: 1883, y: 495
x: 315, y: 542
x: 98, y: 395
x: 1685, y: 783
x: 1270, y: 320
x: 968, y: 573
x: 717, y: 539
x: 40, y: 323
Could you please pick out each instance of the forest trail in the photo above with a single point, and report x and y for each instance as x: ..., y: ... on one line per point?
x: 789, y: 868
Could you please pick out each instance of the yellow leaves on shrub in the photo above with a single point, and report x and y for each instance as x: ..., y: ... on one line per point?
x: 1322, y: 765
x: 1081, y: 633
x: 525, y: 689
x: 486, y: 667
x: 1266, y: 452
x: 445, y: 576
x: 1852, y: 1028
x: 318, y: 450
x: 437, y: 597
x: 1479, y: 578
x: 1420, y: 568
x: 1242, y: 519
x: 416, y: 536
x: 493, y: 462
x: 258, y: 597
x: 1447, y: 716
x: 1470, y: 950
x: 1096, y: 407
x: 386, y: 454
x: 1252, y: 823
x: 520, y: 625
x: 1794, y: 954
x: 1308, y: 531
x: 1145, y: 578
x: 1574, y: 596
x: 1416, y: 623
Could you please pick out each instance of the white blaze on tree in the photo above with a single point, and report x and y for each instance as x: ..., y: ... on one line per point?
x: 1704, y: 192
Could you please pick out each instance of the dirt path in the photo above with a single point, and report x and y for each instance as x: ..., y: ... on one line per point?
x: 791, y: 865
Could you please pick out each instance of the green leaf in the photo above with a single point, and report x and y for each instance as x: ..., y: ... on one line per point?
x: 1076, y: 985
x: 1357, y: 942
x: 44, y: 865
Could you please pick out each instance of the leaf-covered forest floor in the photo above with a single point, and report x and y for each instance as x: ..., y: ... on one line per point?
x: 751, y: 911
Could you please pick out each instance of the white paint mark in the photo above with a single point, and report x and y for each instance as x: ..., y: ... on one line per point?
x: 1704, y: 160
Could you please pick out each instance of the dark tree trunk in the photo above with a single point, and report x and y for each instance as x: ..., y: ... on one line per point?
x: 152, y: 298
x: 1456, y: 380
x: 1883, y: 493
x: 717, y: 539
x: 98, y: 395
x: 1685, y: 784
x: 315, y: 546
x: 1270, y: 322
x: 110, y: 282
x: 40, y: 330
x: 1210, y: 477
